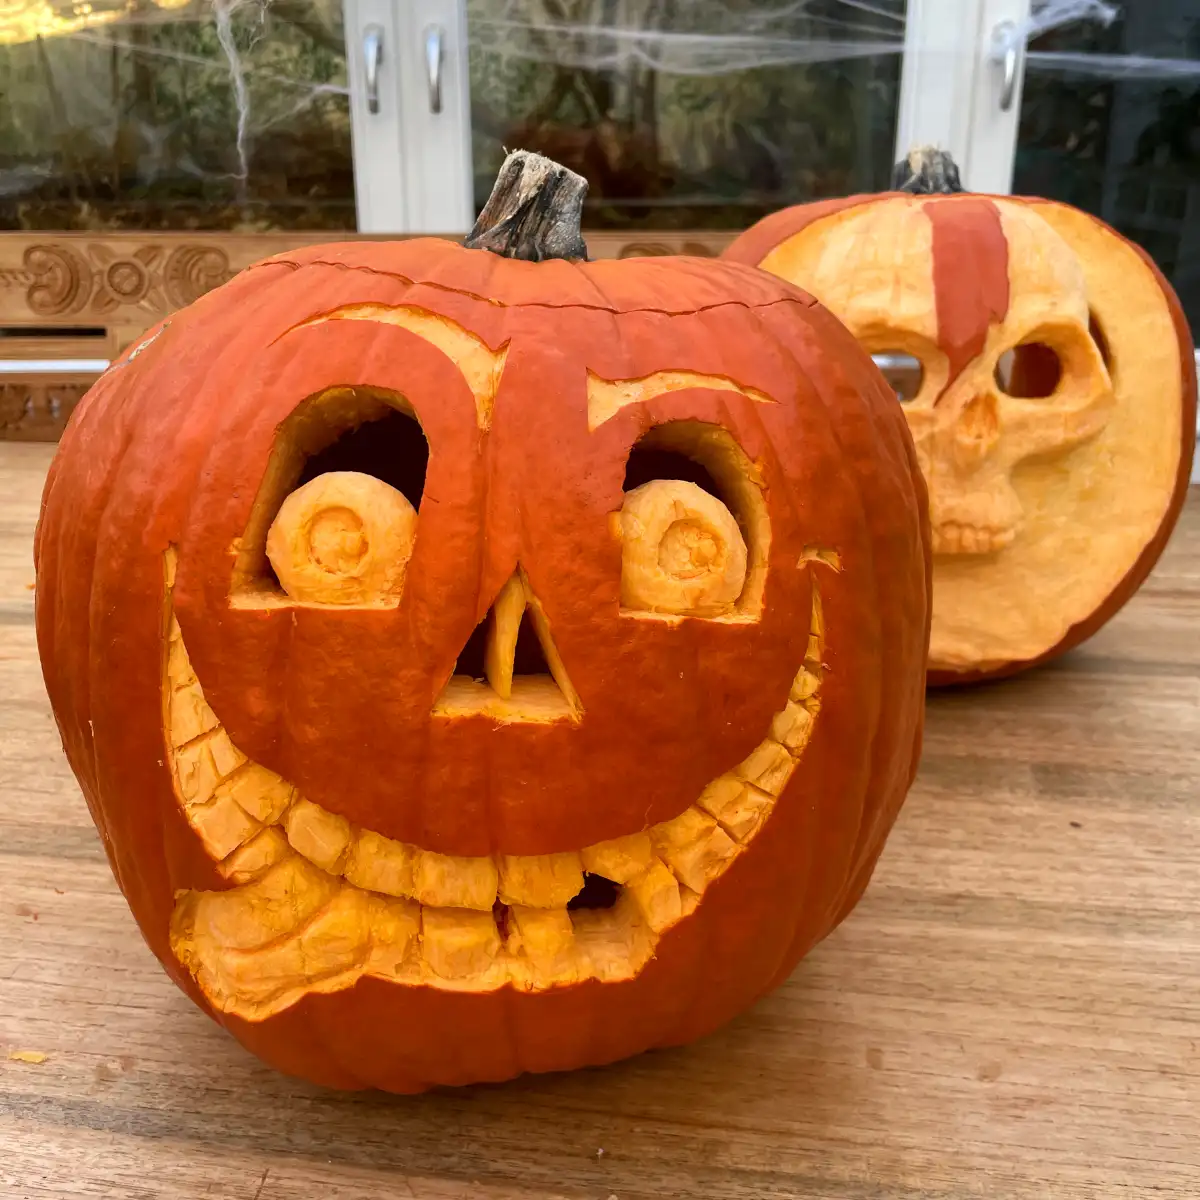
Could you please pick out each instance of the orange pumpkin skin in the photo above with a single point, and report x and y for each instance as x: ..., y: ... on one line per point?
x: 970, y: 281
x: 168, y: 452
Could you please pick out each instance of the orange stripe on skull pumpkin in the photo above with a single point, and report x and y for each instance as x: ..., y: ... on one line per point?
x: 1055, y: 416
x: 477, y: 665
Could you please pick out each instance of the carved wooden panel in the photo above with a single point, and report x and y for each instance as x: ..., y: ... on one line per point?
x: 36, y: 408
x: 80, y: 295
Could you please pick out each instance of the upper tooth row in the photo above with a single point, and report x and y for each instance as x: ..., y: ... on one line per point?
x: 230, y: 800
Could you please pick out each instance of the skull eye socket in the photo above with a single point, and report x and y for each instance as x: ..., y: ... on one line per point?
x: 693, y: 526
x: 1053, y: 361
x: 1029, y: 371
x: 904, y: 371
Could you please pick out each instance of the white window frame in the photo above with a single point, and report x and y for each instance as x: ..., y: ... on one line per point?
x: 951, y: 87
x: 412, y: 165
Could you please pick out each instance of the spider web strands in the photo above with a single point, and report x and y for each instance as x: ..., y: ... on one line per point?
x: 1114, y: 66
x: 210, y: 64
x: 602, y: 48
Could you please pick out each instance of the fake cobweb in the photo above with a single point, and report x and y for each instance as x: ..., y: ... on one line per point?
x: 242, y: 106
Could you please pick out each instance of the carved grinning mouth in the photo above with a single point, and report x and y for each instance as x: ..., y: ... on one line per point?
x: 316, y: 903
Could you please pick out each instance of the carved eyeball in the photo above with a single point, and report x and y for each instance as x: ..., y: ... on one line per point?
x: 342, y: 538
x: 682, y: 551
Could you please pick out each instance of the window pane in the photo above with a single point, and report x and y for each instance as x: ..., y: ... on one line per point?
x: 684, y: 114
x: 1110, y: 122
x: 124, y: 113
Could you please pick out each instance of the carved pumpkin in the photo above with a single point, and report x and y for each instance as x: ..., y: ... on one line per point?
x: 476, y: 666
x: 1055, y: 416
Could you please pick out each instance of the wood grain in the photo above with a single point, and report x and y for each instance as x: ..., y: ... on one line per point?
x: 1012, y: 1012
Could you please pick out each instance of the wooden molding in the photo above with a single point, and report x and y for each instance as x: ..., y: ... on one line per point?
x: 87, y: 296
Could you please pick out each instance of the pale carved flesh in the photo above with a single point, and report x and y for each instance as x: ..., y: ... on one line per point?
x: 316, y: 902
x: 872, y: 266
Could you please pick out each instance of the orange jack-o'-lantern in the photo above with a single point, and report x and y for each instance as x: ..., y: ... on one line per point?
x: 1055, y: 410
x: 478, y: 665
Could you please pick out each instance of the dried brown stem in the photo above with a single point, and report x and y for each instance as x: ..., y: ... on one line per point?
x: 927, y: 171
x: 534, y: 212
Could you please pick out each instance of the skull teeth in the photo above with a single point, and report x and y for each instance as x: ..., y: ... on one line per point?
x: 953, y: 537
x: 318, y: 902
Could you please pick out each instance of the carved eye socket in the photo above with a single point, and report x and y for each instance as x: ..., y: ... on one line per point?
x: 342, y: 538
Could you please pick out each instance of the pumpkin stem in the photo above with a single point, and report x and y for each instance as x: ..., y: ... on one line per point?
x: 927, y: 171
x: 534, y: 212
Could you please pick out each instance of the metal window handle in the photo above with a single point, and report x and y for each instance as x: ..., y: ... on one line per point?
x: 372, y: 57
x: 1005, y: 54
x: 434, y: 36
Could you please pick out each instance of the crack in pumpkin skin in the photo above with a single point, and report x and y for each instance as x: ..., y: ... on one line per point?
x: 318, y: 903
x: 800, y: 297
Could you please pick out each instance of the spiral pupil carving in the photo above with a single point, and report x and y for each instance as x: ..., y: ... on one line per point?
x: 337, y: 543
x: 688, y: 550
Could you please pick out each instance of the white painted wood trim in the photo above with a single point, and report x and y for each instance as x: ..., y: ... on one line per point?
x: 412, y: 166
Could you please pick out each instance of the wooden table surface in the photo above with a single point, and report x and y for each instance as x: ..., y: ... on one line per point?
x: 1013, y: 1011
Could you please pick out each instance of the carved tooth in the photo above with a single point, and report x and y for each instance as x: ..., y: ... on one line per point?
x: 379, y: 864
x: 739, y: 806
x: 262, y: 793
x: 329, y: 951
x: 260, y: 853
x: 191, y: 715
x: 196, y: 773
x: 619, y: 859
x: 287, y: 896
x: 179, y: 666
x: 694, y: 846
x: 226, y: 756
x: 615, y: 943
x: 321, y: 836
x: 656, y: 893
x: 768, y: 767
x: 448, y: 881
x: 792, y: 727
x: 222, y: 826
x: 457, y: 943
x: 540, y: 933
x: 395, y: 924
x: 807, y: 683
x: 817, y: 625
x: 540, y: 880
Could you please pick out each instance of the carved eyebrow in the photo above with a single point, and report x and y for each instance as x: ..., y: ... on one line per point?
x: 606, y: 397
x: 480, y: 365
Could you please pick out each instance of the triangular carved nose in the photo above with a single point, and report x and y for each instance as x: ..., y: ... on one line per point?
x: 520, y: 675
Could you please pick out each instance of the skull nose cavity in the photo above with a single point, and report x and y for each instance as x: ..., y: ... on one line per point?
x: 510, y: 667
x: 977, y: 429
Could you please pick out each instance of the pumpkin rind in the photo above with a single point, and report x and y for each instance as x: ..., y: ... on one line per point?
x: 1155, y: 407
x: 144, y: 522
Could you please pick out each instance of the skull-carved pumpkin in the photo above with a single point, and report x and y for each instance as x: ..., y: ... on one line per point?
x: 477, y: 666
x: 1054, y: 414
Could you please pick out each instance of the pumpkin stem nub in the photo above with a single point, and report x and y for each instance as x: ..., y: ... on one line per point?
x: 534, y: 212
x: 927, y: 171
